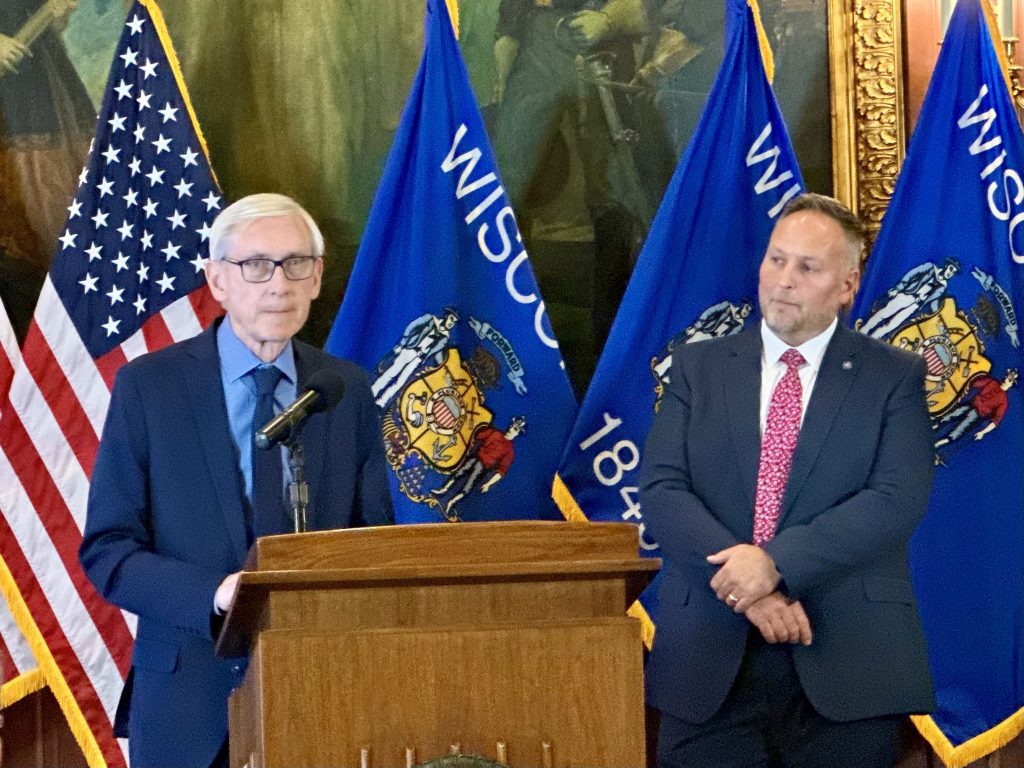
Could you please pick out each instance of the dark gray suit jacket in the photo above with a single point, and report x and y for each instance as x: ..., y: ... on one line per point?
x: 859, y: 485
x: 165, y: 525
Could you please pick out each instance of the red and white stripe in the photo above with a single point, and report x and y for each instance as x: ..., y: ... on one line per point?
x: 15, y: 655
x: 52, y: 421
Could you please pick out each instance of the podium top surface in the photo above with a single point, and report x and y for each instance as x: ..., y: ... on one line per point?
x: 396, y: 558
x: 469, y: 544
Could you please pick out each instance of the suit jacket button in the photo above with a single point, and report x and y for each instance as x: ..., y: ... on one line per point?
x: 236, y: 668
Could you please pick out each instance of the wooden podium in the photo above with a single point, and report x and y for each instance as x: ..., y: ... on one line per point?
x: 383, y: 647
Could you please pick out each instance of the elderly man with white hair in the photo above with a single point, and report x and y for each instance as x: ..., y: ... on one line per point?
x: 179, y: 493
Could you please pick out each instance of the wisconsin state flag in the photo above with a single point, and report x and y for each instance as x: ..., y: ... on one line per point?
x: 945, y: 281
x: 443, y: 311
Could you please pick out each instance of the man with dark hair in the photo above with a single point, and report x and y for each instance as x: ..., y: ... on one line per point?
x: 785, y: 471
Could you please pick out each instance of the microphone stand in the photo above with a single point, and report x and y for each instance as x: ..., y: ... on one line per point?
x: 298, y: 489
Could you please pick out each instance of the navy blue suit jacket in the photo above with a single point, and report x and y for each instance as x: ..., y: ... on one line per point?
x: 165, y: 525
x: 859, y: 484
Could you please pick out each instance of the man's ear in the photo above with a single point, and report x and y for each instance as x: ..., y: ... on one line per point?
x: 853, y: 283
x: 215, y: 279
x: 318, y: 277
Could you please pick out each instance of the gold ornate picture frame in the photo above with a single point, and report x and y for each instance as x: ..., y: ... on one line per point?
x: 868, y: 124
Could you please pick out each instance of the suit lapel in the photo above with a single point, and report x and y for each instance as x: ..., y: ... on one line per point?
x: 838, y: 370
x: 742, y: 383
x: 206, y: 391
x: 313, y: 435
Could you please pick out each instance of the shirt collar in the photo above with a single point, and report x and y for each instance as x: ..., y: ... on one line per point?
x: 236, y: 359
x: 813, y: 350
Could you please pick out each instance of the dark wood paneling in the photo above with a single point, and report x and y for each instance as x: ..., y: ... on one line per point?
x: 36, y: 735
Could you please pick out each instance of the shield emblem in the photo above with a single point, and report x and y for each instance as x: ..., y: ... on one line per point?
x: 952, y: 350
x: 440, y: 410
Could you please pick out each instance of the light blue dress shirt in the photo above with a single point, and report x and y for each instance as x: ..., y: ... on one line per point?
x: 236, y: 361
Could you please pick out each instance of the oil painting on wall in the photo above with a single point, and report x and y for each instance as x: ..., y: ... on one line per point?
x: 589, y: 104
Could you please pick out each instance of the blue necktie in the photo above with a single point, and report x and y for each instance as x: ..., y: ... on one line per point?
x: 267, y: 478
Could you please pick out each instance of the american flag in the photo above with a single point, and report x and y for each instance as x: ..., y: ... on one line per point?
x: 126, y: 279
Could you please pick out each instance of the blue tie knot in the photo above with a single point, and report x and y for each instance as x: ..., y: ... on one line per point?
x: 267, y: 377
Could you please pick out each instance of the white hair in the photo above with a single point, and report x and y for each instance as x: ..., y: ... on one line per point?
x: 265, y: 205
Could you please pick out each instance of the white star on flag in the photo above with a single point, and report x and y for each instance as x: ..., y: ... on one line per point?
x: 212, y: 202
x: 111, y: 326
x: 162, y: 145
x: 169, y: 112
x: 166, y: 282
x: 88, y: 283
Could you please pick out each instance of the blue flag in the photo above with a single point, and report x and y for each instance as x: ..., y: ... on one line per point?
x: 443, y: 310
x: 696, y: 278
x: 945, y: 281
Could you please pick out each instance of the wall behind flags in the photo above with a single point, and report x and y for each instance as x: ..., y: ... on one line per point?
x: 304, y: 98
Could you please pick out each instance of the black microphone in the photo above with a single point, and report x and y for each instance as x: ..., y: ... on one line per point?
x: 324, y: 390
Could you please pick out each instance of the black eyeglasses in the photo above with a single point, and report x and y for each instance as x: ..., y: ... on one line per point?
x: 261, y: 270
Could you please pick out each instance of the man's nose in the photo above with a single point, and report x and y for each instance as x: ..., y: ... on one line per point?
x: 788, y: 276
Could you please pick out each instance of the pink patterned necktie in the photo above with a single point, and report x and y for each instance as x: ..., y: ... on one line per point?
x: 780, y: 435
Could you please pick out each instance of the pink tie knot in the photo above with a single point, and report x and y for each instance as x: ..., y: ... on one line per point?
x: 792, y: 358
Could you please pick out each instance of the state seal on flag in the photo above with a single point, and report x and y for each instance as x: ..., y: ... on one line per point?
x: 439, y: 434
x: 922, y: 314
x: 440, y: 410
x: 953, y: 352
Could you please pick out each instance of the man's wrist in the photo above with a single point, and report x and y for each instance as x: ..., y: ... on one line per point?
x: 781, y: 587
